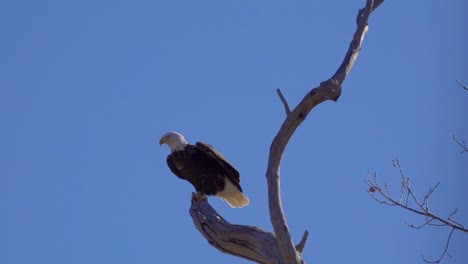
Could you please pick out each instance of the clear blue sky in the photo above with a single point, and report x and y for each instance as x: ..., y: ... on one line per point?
x: 88, y: 87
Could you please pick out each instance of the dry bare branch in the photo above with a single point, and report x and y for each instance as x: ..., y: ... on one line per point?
x: 328, y: 90
x: 463, y: 86
x: 283, y: 100
x: 250, y: 242
x: 461, y: 144
x: 421, y: 208
x: 301, y: 245
x: 247, y: 242
x: 444, y: 253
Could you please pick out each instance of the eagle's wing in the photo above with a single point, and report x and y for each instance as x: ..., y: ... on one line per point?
x: 173, y: 167
x: 231, y: 172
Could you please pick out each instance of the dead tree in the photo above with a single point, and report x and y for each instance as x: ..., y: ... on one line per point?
x: 251, y: 242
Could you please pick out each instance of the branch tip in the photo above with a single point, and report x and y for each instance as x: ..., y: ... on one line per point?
x: 463, y: 86
x: 301, y: 245
x: 461, y: 144
x: 283, y: 100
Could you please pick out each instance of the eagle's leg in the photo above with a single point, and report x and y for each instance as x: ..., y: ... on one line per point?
x: 199, y: 197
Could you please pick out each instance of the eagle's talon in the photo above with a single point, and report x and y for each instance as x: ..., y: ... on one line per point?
x: 200, y: 197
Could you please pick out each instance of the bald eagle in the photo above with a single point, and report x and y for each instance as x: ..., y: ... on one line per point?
x: 205, y: 168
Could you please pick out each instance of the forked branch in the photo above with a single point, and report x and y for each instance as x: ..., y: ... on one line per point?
x: 408, y: 201
x: 327, y: 90
x: 211, y: 225
x: 244, y: 241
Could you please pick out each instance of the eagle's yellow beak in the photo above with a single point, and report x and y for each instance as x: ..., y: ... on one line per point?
x: 161, y: 141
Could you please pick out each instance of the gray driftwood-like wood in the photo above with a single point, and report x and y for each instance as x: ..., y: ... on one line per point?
x: 243, y: 241
x: 253, y: 243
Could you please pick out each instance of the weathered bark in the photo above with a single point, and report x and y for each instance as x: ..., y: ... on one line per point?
x: 239, y: 240
x: 250, y: 242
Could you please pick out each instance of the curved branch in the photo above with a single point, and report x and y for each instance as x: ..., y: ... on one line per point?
x: 462, y: 86
x: 248, y: 242
x: 328, y: 90
x: 444, y: 253
x: 253, y: 243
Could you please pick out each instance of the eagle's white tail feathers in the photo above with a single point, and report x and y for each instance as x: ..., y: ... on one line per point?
x: 233, y: 196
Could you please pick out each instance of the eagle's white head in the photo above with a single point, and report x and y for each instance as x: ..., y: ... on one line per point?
x: 174, y: 140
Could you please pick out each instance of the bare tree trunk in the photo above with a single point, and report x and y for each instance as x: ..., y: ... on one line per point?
x: 251, y: 242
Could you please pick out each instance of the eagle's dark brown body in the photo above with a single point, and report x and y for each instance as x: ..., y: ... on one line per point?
x: 204, y: 167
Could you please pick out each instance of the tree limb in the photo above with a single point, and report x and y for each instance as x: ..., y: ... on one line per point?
x: 462, y: 86
x: 250, y: 242
x: 328, y: 90
x: 421, y: 208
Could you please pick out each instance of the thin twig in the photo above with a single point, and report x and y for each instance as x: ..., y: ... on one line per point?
x: 283, y: 100
x: 428, y: 222
x: 463, y: 86
x: 461, y: 144
x: 420, y: 226
x: 445, y: 250
x: 389, y: 200
x: 301, y: 245
x: 421, y: 208
x: 453, y: 221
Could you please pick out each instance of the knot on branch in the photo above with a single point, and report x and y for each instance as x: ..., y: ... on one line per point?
x: 328, y: 90
x: 372, y: 4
